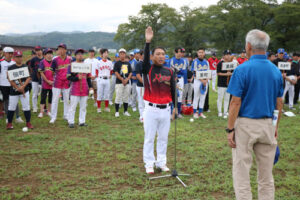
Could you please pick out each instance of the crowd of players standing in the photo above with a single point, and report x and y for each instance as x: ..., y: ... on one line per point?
x: 52, y: 79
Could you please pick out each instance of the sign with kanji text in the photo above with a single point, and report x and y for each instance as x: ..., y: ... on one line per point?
x: 284, y: 65
x: 19, y: 73
x: 227, y: 66
x: 203, y: 74
x: 81, y: 67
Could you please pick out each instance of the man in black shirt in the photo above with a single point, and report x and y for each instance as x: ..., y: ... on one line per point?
x: 290, y: 81
x: 123, y: 73
x: 223, y: 80
x: 35, y: 76
x: 19, y: 91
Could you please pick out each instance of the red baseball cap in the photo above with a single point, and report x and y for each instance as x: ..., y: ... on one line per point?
x: 37, y: 48
x: 18, y: 53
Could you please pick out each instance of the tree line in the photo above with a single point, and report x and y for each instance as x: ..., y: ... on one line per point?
x: 221, y: 26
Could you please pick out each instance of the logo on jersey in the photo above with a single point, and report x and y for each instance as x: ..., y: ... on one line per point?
x: 162, y: 79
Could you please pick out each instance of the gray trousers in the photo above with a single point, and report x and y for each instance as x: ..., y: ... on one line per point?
x: 112, y: 87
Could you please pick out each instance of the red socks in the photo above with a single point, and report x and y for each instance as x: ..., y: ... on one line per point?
x: 106, y: 103
x: 99, y: 104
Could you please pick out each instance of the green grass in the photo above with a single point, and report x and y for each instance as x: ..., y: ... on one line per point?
x: 104, y: 160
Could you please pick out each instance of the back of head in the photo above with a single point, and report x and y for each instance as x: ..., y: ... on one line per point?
x: 258, y: 39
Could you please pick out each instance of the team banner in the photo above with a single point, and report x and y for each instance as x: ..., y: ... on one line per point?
x: 284, y: 65
x: 227, y: 66
x: 81, y: 67
x: 19, y: 73
x: 203, y: 74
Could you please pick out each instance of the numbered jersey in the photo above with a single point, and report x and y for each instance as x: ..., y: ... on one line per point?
x: 104, y: 68
x: 213, y: 63
x: 19, y: 82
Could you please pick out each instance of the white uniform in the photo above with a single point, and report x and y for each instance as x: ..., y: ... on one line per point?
x: 103, y: 83
x: 94, y: 62
x: 291, y: 89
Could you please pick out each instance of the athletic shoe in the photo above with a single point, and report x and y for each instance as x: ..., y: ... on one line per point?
x: 9, y: 126
x: 225, y: 116
x: 107, y: 109
x: 6, y: 121
x: 28, y: 124
x: 83, y: 124
x: 19, y: 120
x: 149, y: 170
x: 202, y: 115
x: 111, y: 103
x: 99, y: 110
x: 52, y: 121
x: 117, y: 114
x: 40, y: 115
x: 49, y: 114
x: 71, y: 126
x: 220, y: 115
x: 180, y: 116
x: 196, y: 116
x: 34, y: 110
x: 134, y: 109
x: 208, y: 110
x: 292, y: 108
x: 127, y: 114
x: 164, y: 168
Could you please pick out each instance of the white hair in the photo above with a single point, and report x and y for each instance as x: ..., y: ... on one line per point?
x: 258, y: 39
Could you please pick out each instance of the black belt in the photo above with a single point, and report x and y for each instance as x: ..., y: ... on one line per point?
x: 164, y: 106
x: 104, y: 77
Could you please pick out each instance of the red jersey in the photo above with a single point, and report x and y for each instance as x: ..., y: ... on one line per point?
x: 159, y: 81
x: 241, y: 60
x: 213, y: 63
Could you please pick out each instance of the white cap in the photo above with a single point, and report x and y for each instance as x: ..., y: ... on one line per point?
x: 122, y: 50
x: 8, y: 50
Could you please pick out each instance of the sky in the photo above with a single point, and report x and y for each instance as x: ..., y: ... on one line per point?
x: 27, y: 16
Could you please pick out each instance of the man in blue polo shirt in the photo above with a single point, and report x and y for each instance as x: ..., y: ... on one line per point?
x: 256, y: 88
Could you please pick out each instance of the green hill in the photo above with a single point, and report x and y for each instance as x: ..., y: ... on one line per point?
x: 73, y: 40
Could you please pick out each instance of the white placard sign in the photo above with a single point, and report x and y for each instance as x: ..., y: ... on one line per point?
x: 226, y: 66
x: 81, y: 67
x: 284, y: 65
x: 19, y: 73
x: 203, y: 74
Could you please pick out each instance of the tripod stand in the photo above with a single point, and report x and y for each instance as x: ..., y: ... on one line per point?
x: 174, y: 171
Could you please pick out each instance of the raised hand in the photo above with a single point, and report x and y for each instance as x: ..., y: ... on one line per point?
x: 149, y: 34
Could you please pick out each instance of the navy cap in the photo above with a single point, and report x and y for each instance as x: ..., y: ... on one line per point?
x: 48, y: 50
x: 91, y: 50
x: 226, y: 52
x: 79, y: 51
x: 281, y: 50
x: 213, y: 53
x: 62, y: 45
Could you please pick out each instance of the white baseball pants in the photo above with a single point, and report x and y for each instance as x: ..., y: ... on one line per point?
x: 156, y: 120
x: 222, y: 93
x: 82, y: 100
x: 112, y: 87
x: 291, y: 89
x: 214, y: 78
x: 35, y: 94
x: 133, y: 96
x: 66, y: 95
x: 180, y: 84
x: 103, y: 87
x: 141, y: 103
x: 14, y: 100
x: 199, y: 99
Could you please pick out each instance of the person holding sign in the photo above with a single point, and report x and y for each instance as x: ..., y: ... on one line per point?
x: 200, y: 64
x: 19, y: 78
x: 223, y: 76
x: 256, y: 87
x: 47, y: 81
x: 104, y: 68
x: 61, y: 83
x: 291, y: 80
x: 123, y: 71
x: 80, y: 86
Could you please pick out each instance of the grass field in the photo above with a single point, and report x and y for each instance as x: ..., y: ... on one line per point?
x: 104, y: 160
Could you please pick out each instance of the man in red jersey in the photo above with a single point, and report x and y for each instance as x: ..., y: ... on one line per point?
x: 213, y: 61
